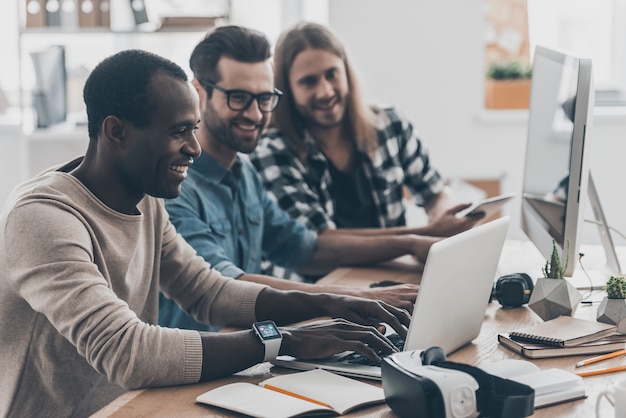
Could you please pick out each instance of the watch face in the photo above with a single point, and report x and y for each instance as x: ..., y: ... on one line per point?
x: 267, y: 330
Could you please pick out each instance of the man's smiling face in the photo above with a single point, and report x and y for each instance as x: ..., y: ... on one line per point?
x: 238, y: 129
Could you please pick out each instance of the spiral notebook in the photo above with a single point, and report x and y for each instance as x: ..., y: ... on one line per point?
x: 564, y: 331
x: 604, y: 345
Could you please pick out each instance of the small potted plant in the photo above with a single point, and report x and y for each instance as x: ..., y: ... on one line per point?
x: 507, y: 86
x: 612, y: 310
x: 552, y: 295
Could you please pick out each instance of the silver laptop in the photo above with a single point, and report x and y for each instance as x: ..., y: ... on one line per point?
x: 450, y: 306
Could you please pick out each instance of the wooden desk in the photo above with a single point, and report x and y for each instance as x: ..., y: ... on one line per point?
x: 180, y: 400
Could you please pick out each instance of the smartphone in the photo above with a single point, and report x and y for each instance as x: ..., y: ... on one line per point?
x: 488, y: 206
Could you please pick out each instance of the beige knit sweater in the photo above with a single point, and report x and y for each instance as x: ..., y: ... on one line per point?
x: 79, y: 288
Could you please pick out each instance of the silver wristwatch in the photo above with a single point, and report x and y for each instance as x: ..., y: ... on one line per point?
x: 270, y: 336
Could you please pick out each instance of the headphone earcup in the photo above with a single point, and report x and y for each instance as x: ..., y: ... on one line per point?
x: 529, y: 286
x: 513, y: 290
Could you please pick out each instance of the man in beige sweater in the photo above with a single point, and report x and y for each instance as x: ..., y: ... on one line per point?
x: 85, y: 248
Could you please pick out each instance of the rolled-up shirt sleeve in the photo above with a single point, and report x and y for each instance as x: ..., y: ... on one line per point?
x: 286, y: 241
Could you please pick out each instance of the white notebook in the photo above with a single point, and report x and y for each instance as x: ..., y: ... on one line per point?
x: 296, y: 394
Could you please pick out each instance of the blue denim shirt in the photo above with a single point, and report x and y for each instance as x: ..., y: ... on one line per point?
x: 227, y: 216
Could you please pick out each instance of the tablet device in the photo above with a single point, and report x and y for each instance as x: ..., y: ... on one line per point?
x: 489, y: 206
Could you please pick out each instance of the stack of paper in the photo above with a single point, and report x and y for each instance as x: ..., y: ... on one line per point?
x: 564, y: 336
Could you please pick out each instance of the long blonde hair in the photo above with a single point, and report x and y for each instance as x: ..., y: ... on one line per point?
x: 360, y: 117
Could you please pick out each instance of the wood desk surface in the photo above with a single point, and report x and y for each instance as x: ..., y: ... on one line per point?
x: 180, y: 400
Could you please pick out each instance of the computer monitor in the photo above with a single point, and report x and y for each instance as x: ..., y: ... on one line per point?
x: 556, y: 171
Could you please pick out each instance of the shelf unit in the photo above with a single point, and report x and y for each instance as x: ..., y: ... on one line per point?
x: 84, y: 48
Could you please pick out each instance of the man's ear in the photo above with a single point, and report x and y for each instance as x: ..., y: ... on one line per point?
x: 196, y: 85
x: 113, y: 129
x: 202, y: 96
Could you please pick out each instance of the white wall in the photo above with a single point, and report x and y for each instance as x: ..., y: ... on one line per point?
x: 427, y: 57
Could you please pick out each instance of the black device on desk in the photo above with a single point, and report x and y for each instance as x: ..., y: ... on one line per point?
x: 385, y: 283
x: 512, y: 290
x: 423, y: 383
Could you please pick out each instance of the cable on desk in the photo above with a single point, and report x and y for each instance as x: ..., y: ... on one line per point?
x: 591, y: 288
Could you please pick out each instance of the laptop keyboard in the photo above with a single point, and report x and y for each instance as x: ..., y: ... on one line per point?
x: 356, y: 358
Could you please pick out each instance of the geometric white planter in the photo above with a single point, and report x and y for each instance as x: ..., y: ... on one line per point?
x: 613, y: 311
x: 554, y: 297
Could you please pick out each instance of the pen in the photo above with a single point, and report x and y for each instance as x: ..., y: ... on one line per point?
x: 602, y: 371
x: 600, y: 358
x: 295, y: 395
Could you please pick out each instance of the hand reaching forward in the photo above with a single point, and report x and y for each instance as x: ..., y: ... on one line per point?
x: 292, y: 307
x: 401, y: 295
x: 369, y: 312
x: 450, y: 224
x: 324, y: 338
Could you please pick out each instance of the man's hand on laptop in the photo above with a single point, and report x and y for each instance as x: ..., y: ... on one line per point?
x: 370, y: 312
x: 401, y: 295
x: 324, y: 338
x: 290, y: 307
x: 359, y: 328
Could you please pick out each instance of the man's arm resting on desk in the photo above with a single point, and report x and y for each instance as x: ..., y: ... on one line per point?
x: 337, y: 249
x: 401, y: 296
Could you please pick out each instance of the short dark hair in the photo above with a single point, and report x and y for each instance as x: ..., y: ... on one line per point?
x: 119, y: 86
x: 236, y: 42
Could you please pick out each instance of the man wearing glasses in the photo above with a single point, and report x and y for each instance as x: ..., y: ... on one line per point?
x: 223, y: 210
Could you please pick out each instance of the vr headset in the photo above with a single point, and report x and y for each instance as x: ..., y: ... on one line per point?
x: 422, y: 383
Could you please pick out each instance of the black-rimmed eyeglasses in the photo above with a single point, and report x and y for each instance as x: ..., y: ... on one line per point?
x: 239, y: 100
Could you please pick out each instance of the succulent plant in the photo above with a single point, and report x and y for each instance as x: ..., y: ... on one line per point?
x: 554, y: 268
x: 616, y: 287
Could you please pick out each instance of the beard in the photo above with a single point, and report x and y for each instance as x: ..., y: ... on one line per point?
x: 317, y: 119
x: 223, y: 131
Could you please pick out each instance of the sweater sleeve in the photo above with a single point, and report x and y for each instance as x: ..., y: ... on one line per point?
x: 59, y: 267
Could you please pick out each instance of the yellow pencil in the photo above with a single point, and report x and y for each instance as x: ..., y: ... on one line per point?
x: 600, y: 358
x: 295, y: 395
x: 602, y: 371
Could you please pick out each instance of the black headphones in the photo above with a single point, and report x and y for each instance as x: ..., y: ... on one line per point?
x: 512, y: 290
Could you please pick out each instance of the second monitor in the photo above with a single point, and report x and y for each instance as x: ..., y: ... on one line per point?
x: 556, y: 172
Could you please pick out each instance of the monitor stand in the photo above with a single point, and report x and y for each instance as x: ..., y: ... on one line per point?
x: 598, y: 272
x: 603, y: 228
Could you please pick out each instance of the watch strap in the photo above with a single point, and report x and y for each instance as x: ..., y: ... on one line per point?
x: 272, y: 348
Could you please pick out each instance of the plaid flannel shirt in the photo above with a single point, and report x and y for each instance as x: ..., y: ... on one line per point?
x: 401, y: 159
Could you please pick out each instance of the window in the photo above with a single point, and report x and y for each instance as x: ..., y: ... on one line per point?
x: 590, y: 29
